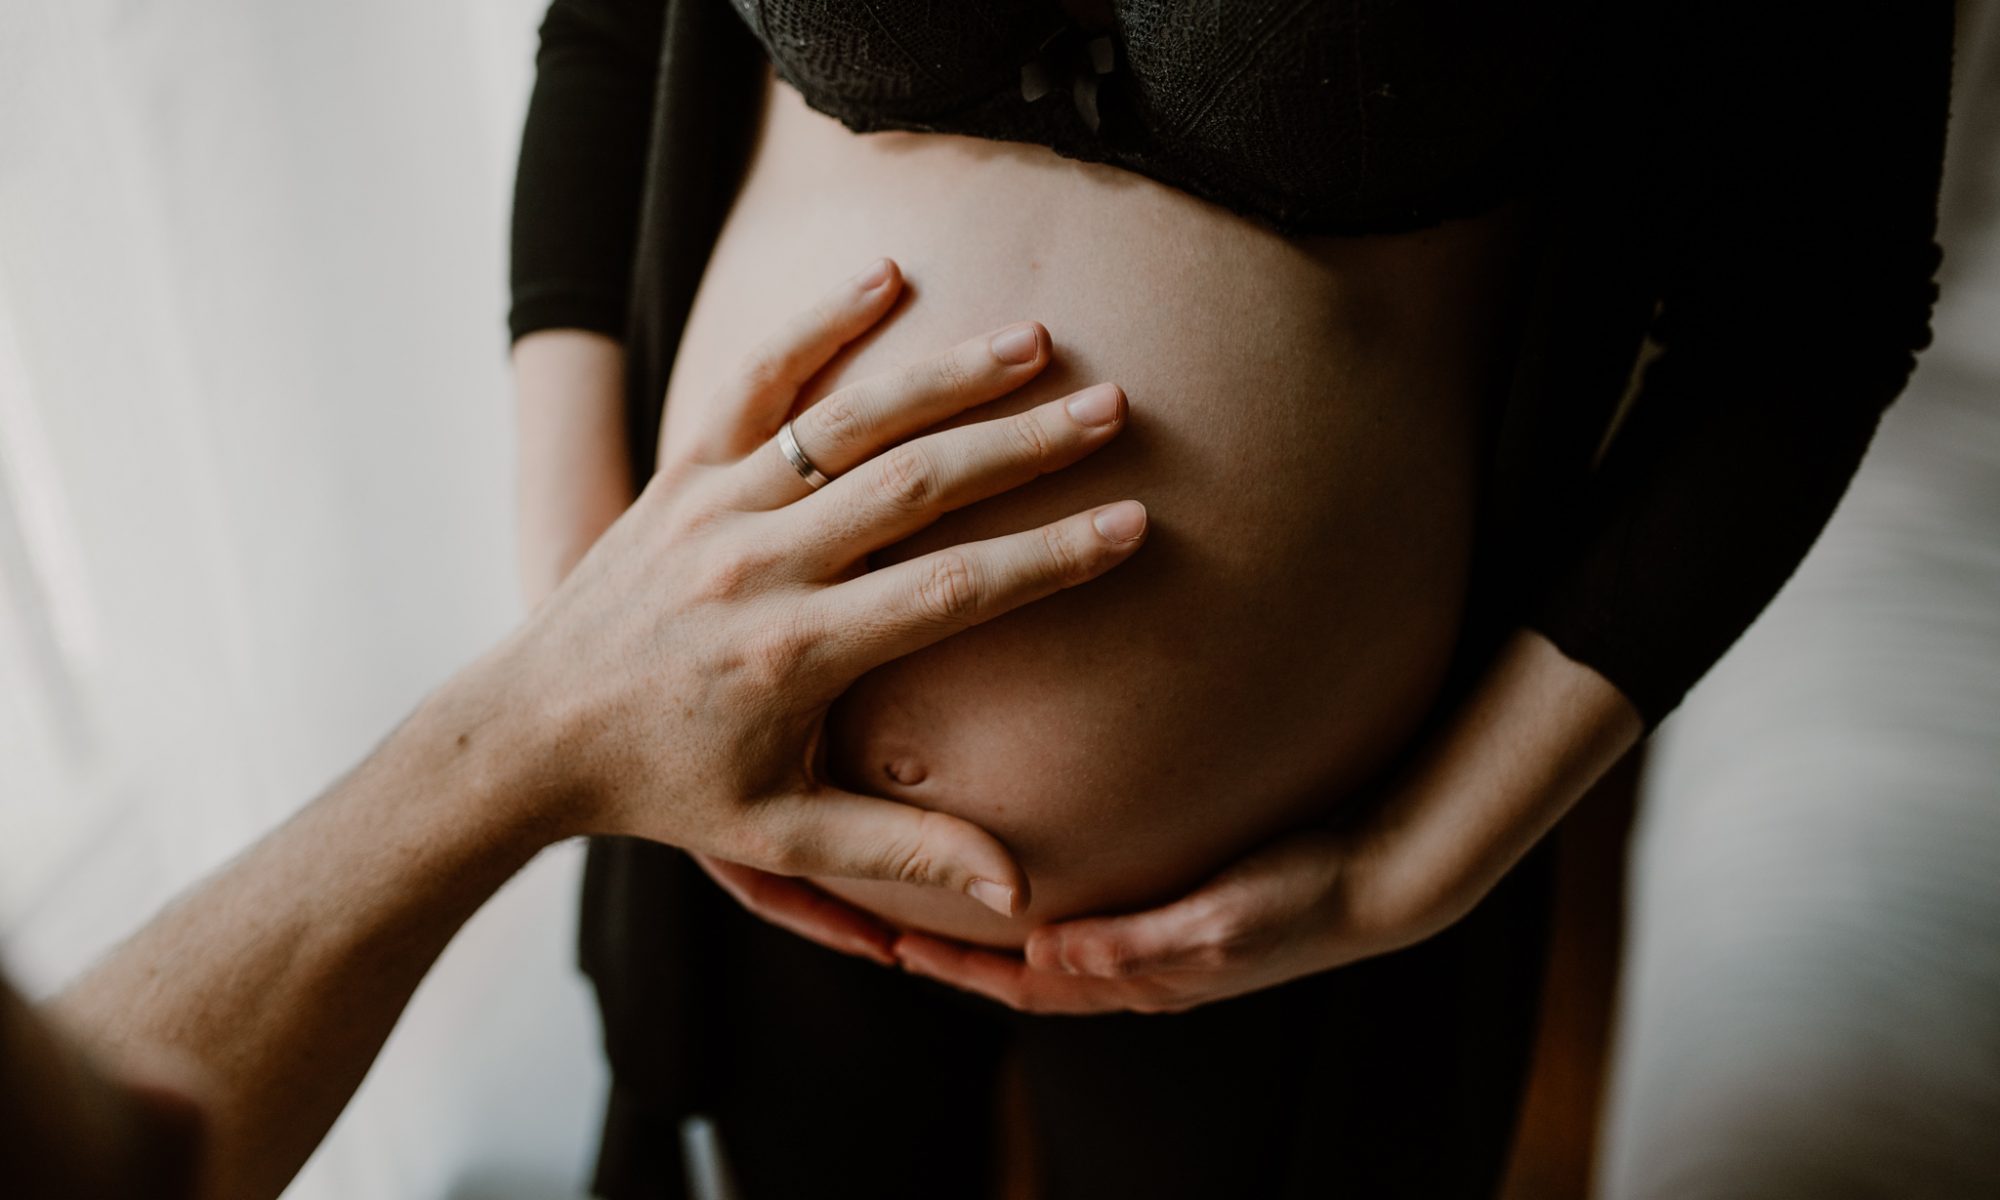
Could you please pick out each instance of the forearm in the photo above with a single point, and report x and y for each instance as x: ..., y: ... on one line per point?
x: 280, y: 977
x: 575, y: 472
x: 1535, y: 734
x: 672, y: 689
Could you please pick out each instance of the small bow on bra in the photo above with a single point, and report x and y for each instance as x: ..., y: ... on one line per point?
x: 1069, y: 56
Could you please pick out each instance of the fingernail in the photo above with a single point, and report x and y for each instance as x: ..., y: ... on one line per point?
x: 996, y: 896
x: 1121, y: 522
x: 1096, y: 406
x: 1016, y: 344
x: 875, y: 276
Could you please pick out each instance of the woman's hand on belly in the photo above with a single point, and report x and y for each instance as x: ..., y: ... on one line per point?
x: 1533, y: 737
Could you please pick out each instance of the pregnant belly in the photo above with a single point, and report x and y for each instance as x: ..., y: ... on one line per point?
x: 1304, y: 432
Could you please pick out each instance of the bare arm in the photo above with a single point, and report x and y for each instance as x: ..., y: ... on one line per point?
x: 281, y: 976
x: 668, y: 689
x: 575, y: 475
x: 1525, y: 746
x: 577, y: 196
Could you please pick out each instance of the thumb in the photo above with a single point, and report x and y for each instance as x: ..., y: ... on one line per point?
x: 847, y: 836
x: 1174, y: 937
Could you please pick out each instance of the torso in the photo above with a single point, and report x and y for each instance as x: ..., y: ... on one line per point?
x: 1305, y: 432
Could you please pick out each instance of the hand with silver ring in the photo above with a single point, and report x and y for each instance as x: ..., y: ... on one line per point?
x: 746, y: 576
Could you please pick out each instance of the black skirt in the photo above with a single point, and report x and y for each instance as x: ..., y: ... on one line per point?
x: 829, y: 1076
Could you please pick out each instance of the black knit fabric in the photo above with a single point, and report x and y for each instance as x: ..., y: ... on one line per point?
x: 1318, y: 117
x: 583, y: 166
x: 1785, y: 219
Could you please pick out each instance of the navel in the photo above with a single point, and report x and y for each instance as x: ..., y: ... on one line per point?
x: 906, y: 771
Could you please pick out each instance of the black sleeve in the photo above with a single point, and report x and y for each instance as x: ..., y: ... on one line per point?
x: 1799, y: 157
x: 583, y: 160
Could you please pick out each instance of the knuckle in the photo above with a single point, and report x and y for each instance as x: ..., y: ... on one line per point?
x: 1066, y: 564
x: 778, y: 652
x: 750, y: 841
x: 1109, y: 957
x: 838, y: 419
x: 738, y: 569
x: 699, y: 515
x: 762, y: 370
x: 906, y: 478
x: 766, y: 845
x: 1031, y: 440
x: 951, y: 374
x: 915, y: 861
x: 1222, y: 938
x: 827, y: 314
x: 730, y: 576
x: 949, y: 592
x: 785, y: 856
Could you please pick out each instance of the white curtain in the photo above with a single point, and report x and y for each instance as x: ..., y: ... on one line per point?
x: 1811, y: 1001
x: 255, y: 498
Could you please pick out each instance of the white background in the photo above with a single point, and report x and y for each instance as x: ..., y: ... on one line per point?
x: 255, y: 498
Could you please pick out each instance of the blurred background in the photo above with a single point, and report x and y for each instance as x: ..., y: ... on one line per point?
x: 256, y: 497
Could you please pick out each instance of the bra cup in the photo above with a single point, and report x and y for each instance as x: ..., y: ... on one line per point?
x: 1253, y: 93
x: 1350, y: 103
x: 898, y: 60
x: 1334, y: 115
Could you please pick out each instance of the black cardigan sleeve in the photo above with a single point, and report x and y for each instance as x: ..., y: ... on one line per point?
x: 582, y: 169
x: 1797, y: 160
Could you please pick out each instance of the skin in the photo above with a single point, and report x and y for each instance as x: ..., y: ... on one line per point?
x: 1308, y: 444
x: 1325, y: 871
x: 1532, y: 738
x: 674, y: 687
x: 573, y: 472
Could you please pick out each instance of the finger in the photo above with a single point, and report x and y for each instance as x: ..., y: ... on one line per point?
x: 891, y: 496
x: 898, y: 610
x: 803, y: 909
x: 853, y: 424
x: 1007, y: 980
x: 1183, y: 936
x: 840, y: 834
x: 761, y: 394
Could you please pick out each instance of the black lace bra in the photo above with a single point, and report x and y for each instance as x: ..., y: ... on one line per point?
x: 1334, y: 116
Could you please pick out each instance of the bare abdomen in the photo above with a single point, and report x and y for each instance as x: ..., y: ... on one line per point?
x: 1303, y: 431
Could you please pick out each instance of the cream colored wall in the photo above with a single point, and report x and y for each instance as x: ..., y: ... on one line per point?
x: 255, y: 474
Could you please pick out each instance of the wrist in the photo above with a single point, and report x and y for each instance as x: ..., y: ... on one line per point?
x: 492, y: 764
x: 1534, y: 735
x: 1389, y: 897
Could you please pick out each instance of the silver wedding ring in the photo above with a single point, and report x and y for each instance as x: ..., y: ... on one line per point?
x: 788, y: 445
